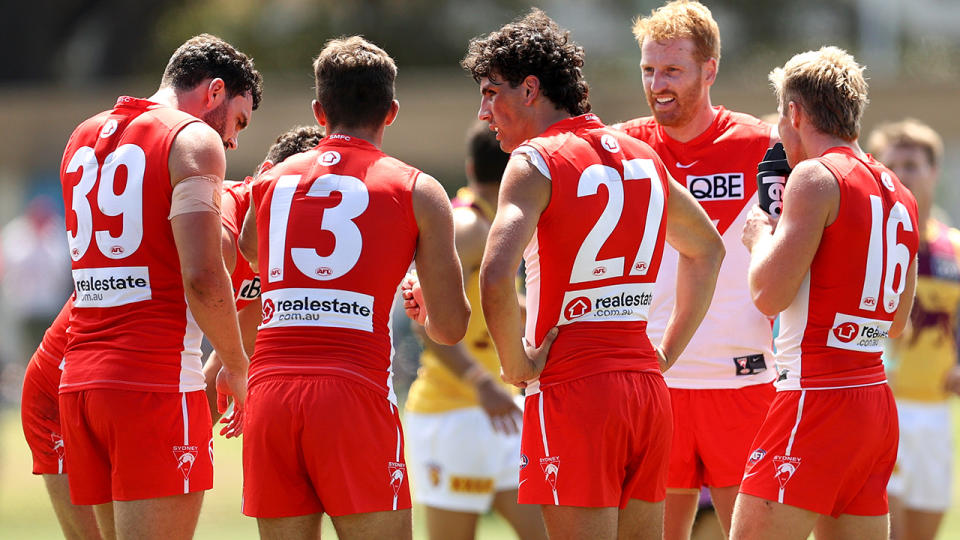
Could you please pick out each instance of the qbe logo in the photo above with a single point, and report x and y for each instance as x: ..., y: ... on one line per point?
x: 847, y: 332
x: 716, y: 187
x: 268, y: 310
x: 578, y: 307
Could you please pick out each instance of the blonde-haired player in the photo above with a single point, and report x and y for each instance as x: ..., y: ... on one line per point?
x: 721, y: 386
x: 840, y: 268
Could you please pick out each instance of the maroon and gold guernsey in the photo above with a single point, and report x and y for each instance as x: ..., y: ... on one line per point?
x: 336, y: 233
x: 833, y: 332
x: 596, y: 252
x: 130, y: 327
x: 234, y: 205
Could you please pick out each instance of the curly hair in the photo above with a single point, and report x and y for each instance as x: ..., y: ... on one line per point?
x: 207, y: 56
x: 355, y: 82
x: 829, y: 84
x: 533, y: 45
x: 295, y: 140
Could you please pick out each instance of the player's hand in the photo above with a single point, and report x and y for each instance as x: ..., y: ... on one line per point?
x: 758, y: 224
x: 952, y: 383
x: 231, y: 385
x: 536, y: 359
x: 413, y: 298
x: 504, y: 414
x: 662, y: 359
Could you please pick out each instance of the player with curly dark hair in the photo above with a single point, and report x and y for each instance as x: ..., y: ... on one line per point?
x: 533, y: 45
x: 588, y: 208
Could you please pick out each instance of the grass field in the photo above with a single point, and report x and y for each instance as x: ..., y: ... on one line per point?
x: 25, y: 511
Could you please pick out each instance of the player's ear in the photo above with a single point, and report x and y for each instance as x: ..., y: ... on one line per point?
x: 710, y: 71
x: 392, y: 113
x: 319, y: 114
x: 794, y: 112
x: 216, y: 93
x: 531, y: 89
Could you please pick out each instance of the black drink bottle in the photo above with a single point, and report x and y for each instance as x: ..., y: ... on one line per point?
x: 772, y: 175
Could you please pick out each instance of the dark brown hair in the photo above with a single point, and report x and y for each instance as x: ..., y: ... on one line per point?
x: 206, y: 57
x: 533, y: 45
x: 355, y: 82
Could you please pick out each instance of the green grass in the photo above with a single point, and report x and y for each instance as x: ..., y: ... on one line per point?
x: 25, y: 511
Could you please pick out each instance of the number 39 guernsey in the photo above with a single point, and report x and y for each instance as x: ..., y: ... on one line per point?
x: 130, y: 327
x: 593, y: 260
x: 336, y: 233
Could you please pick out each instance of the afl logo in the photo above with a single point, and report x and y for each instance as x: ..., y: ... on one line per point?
x: 329, y: 158
x: 610, y: 144
x: 108, y: 129
x: 274, y: 272
x: 599, y: 271
x: 268, y: 310
x: 116, y: 250
x: 846, y: 332
x: 324, y: 271
x: 576, y: 308
x: 887, y: 181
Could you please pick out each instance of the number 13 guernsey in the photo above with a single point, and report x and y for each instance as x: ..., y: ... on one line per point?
x: 596, y: 252
x: 130, y: 327
x: 335, y: 233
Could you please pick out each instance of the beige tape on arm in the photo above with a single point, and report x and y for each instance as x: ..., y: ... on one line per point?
x: 196, y: 194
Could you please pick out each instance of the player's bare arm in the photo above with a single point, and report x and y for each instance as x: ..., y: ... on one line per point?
x: 248, y: 237
x: 701, y: 251
x: 196, y: 152
x: 437, y: 264
x: 781, y: 256
x: 524, y: 195
x: 470, y: 235
x: 902, y: 316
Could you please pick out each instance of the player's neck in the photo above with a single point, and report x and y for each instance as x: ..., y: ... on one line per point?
x: 166, y: 95
x: 487, y: 192
x: 816, y: 143
x: 548, y: 116
x: 373, y: 136
x: 696, y: 126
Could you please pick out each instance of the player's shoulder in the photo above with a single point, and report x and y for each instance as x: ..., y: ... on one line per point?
x: 745, y: 126
x: 638, y: 128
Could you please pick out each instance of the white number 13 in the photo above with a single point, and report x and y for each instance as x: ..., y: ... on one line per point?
x: 337, y: 220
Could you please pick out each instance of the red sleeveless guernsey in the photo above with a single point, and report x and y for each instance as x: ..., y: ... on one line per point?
x: 593, y: 260
x: 336, y: 233
x: 236, y: 201
x: 130, y: 327
x: 832, y: 335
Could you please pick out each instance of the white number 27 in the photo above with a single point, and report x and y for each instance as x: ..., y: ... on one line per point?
x: 586, y: 267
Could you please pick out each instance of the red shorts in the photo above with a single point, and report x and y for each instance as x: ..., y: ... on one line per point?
x: 128, y: 445
x: 713, y: 430
x: 40, y: 413
x: 598, y: 441
x: 321, y: 444
x: 828, y: 451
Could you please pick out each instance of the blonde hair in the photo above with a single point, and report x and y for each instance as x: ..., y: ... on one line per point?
x: 680, y: 19
x: 829, y: 85
x: 908, y: 132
